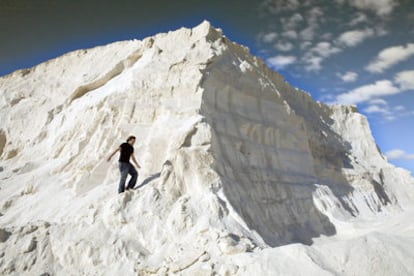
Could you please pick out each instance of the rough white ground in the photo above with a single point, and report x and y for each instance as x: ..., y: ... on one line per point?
x: 242, y: 174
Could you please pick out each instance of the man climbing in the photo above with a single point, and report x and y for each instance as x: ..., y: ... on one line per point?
x: 125, y: 167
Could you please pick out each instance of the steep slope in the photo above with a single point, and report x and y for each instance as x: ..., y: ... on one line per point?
x: 234, y: 160
x: 279, y: 153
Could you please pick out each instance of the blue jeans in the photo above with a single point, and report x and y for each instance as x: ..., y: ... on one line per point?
x: 125, y: 169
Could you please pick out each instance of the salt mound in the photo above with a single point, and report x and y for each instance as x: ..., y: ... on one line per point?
x: 241, y: 173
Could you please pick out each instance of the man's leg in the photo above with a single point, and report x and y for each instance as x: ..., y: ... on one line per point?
x: 134, y: 176
x: 123, y: 169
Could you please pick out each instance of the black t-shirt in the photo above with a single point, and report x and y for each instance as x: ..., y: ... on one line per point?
x: 126, y: 151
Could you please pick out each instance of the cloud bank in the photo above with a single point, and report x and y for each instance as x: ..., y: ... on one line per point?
x: 398, y: 154
x: 390, y: 57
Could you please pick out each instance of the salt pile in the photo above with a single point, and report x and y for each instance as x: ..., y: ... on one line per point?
x: 242, y: 174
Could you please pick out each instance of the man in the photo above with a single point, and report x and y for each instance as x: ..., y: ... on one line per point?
x: 125, y: 167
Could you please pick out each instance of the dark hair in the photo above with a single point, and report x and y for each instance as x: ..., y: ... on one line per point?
x: 130, y: 138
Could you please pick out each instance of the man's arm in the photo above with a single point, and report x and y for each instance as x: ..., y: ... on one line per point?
x: 135, y: 161
x: 112, y: 154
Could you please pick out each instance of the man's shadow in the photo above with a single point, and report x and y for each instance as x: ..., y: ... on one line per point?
x: 148, y: 180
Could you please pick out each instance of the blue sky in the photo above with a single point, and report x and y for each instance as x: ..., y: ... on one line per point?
x: 341, y: 51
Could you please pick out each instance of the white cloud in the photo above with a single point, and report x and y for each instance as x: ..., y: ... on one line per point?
x: 305, y: 45
x: 398, y: 154
x: 326, y: 36
x: 381, y: 107
x: 290, y: 34
x: 270, y: 37
x: 390, y: 117
x: 355, y: 37
x: 308, y: 33
x: 327, y: 98
x: 314, y: 15
x: 314, y: 57
x: 389, y: 57
x: 280, y: 62
x: 348, y: 76
x: 380, y: 31
x: 359, y: 18
x: 313, y: 63
x: 378, y: 102
x: 405, y: 80
x: 292, y: 22
x: 297, y: 17
x: 276, y: 6
x: 380, y: 7
x: 368, y: 92
x: 376, y: 109
x: 325, y: 49
x: 284, y: 46
x: 399, y: 108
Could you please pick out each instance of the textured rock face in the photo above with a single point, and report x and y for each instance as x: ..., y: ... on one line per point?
x: 237, y: 167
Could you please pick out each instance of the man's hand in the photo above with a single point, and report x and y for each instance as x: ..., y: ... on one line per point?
x: 135, y: 161
x: 112, y: 154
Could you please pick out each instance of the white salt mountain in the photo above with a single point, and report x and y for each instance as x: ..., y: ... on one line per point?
x: 242, y: 174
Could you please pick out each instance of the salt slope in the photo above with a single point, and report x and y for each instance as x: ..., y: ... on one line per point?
x: 234, y: 160
x: 283, y: 155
